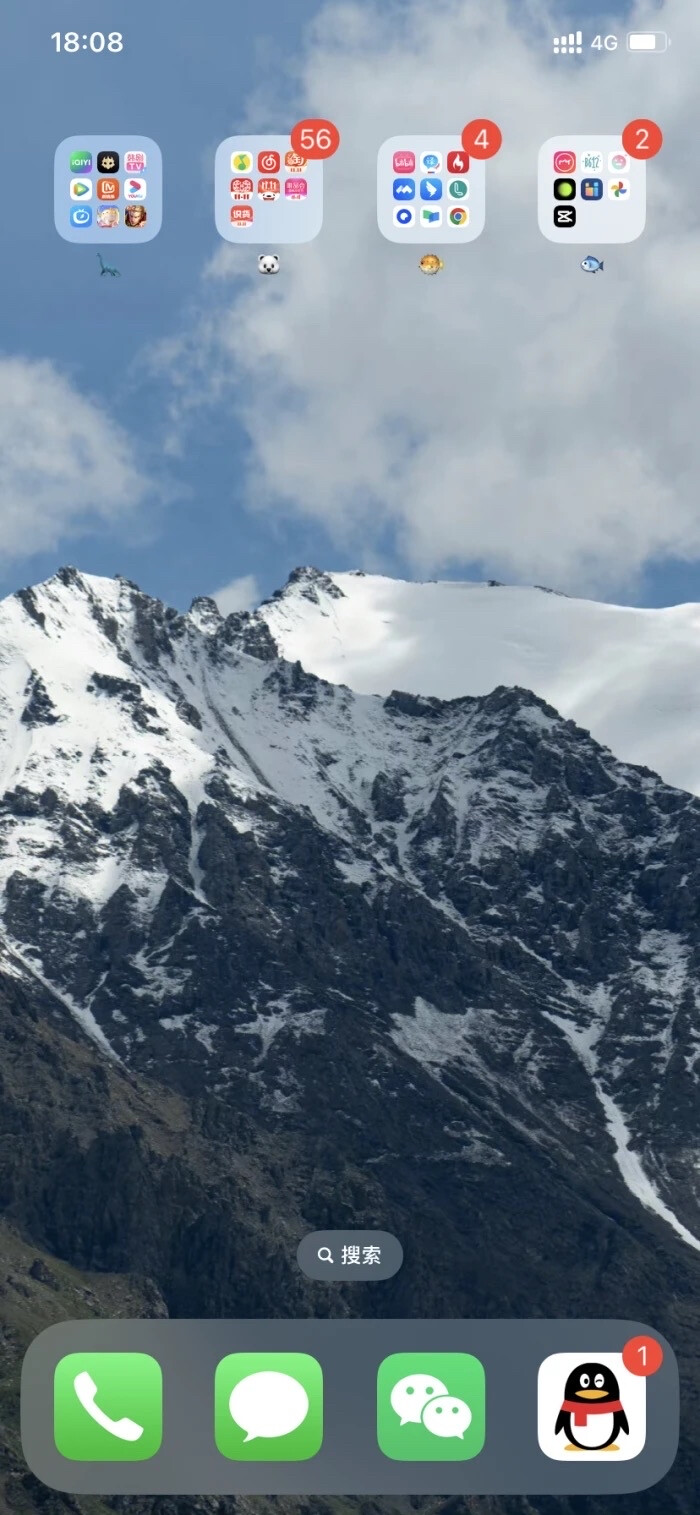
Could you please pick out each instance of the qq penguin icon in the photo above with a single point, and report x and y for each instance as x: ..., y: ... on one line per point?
x: 590, y: 1408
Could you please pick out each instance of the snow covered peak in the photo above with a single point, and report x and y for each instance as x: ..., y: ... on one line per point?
x: 629, y: 676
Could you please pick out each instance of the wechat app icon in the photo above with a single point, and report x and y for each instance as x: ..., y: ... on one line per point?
x: 268, y: 1407
x: 431, y: 1406
x: 108, y: 1406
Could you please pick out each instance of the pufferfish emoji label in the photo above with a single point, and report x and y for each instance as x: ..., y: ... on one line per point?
x: 590, y: 1408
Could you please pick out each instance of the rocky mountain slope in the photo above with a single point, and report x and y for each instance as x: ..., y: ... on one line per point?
x: 275, y: 956
x: 628, y: 676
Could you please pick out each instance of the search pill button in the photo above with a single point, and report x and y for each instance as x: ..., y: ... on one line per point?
x: 350, y: 1256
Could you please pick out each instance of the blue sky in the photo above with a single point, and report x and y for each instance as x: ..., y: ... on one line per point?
x: 187, y: 78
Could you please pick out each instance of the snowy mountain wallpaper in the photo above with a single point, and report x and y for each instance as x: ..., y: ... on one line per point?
x: 363, y: 893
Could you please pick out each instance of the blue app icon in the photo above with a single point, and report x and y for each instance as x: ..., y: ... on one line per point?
x: 404, y: 216
x: 591, y: 189
x: 81, y: 215
x: 431, y: 189
x: 404, y: 189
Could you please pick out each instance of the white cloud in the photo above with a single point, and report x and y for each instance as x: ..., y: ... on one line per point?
x: 64, y: 465
x: 240, y: 594
x: 512, y: 411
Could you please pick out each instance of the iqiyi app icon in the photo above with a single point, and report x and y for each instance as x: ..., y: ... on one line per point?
x: 431, y: 1406
x: 268, y: 1407
x: 108, y: 1406
x: 81, y: 163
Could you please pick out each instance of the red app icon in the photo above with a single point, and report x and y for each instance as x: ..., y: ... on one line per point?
x: 268, y: 162
x: 241, y: 215
x: 457, y: 163
x: 269, y: 189
x: 564, y: 162
x: 108, y: 189
x: 404, y: 163
x: 242, y: 189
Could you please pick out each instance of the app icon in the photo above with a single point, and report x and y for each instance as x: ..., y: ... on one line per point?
x: 81, y: 163
x: 268, y: 162
x: 241, y: 215
x: 564, y: 162
x: 135, y: 215
x: 404, y: 163
x: 242, y: 189
x: 108, y: 189
x: 458, y: 189
x: 457, y: 163
x: 134, y: 189
x: 430, y: 163
x: 294, y: 163
x: 268, y: 1407
x: 431, y: 217
x: 591, y: 161
x: 404, y: 189
x: 591, y: 189
x: 618, y: 189
x: 618, y: 163
x: 565, y: 215
x: 135, y: 162
x: 269, y: 189
x: 431, y: 189
x: 81, y: 189
x: 565, y: 189
x: 108, y: 1406
x: 81, y: 215
x: 241, y: 163
x: 108, y: 162
x: 591, y: 1406
x: 431, y: 1406
x: 296, y: 189
x: 404, y: 215
x: 109, y: 217
x: 459, y: 216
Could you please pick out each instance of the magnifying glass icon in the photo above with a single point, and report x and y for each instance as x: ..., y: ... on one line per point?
x: 325, y: 1254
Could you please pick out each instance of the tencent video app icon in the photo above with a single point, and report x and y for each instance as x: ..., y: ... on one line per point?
x: 431, y: 1406
x: 268, y: 1407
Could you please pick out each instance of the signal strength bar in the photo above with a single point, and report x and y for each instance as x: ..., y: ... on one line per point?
x: 568, y: 43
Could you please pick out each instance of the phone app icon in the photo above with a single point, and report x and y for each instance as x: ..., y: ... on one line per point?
x: 268, y: 1407
x: 268, y: 190
x: 618, y: 189
x: 565, y: 216
x: 108, y: 189
x: 404, y: 163
x: 458, y: 189
x: 459, y: 216
x: 81, y: 215
x: 431, y: 189
x: 81, y: 162
x: 430, y: 163
x: 108, y: 1406
x: 404, y: 189
x: 404, y: 215
x: 590, y: 1408
x: 564, y: 162
x: 81, y: 189
x: 269, y: 162
x: 241, y: 163
x: 565, y: 189
x: 134, y: 189
x: 457, y: 162
x: 431, y: 1406
x: 108, y: 162
x: 591, y: 189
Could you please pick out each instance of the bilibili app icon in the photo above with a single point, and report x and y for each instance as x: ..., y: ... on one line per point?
x: 431, y: 1406
x: 268, y: 1407
x: 108, y: 1406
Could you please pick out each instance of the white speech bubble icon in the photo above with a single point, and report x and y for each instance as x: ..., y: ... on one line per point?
x: 447, y: 1416
x: 268, y: 1404
x: 410, y: 1396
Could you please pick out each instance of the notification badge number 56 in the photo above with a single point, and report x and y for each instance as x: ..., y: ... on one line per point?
x: 315, y: 138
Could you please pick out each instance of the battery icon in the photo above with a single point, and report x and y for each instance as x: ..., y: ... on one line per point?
x: 647, y: 42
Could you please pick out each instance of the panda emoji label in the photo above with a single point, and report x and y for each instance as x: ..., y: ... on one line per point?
x: 590, y: 1407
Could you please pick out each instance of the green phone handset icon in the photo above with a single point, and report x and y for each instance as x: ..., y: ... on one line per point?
x: 86, y: 1390
x: 92, y: 1392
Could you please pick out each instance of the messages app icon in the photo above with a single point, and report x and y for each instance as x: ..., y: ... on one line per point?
x: 268, y: 1407
x: 431, y: 1406
x: 108, y: 1406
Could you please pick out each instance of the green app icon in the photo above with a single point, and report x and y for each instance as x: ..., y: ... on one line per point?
x: 268, y: 1407
x: 81, y: 163
x: 108, y: 1406
x: 431, y: 1406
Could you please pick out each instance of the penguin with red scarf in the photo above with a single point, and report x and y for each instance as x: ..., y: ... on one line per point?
x: 591, y: 1415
